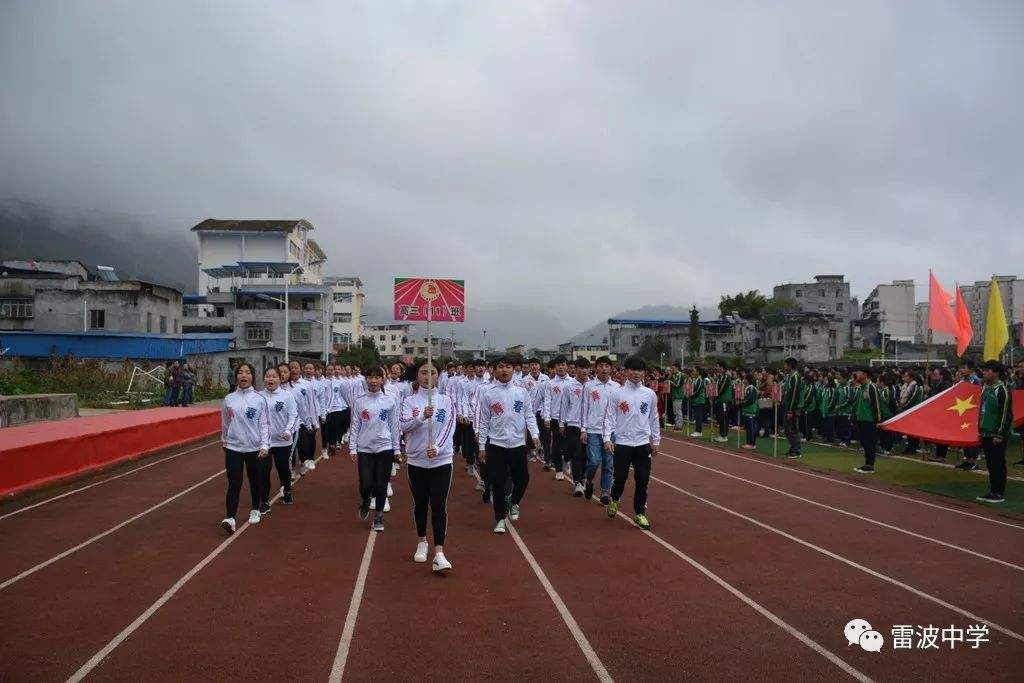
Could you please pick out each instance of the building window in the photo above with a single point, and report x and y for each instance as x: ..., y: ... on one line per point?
x: 342, y: 317
x: 821, y: 292
x: 710, y: 345
x: 799, y: 294
x: 307, y: 303
x: 163, y: 324
x: 343, y: 297
x: 97, y: 319
x: 149, y: 321
x: 635, y: 340
x: 13, y: 309
x: 257, y: 332
x: 342, y: 338
x: 175, y: 326
x: 218, y: 311
x: 814, y: 331
x: 300, y: 332
x: 839, y: 308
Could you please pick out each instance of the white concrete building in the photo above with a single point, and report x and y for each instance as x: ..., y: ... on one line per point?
x: 827, y: 295
x: 389, y: 338
x: 922, y: 335
x: 1011, y: 289
x: 892, y: 307
x: 346, y: 317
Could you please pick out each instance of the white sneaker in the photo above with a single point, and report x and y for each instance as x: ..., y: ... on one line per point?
x: 327, y: 456
x: 394, y: 469
x: 421, y: 552
x: 311, y: 464
x: 344, y: 437
x: 391, y: 491
x: 441, y: 563
x: 721, y: 439
x: 228, y: 525
x: 387, y: 505
x: 323, y: 452
x: 578, y: 491
x: 479, y: 486
x: 499, y: 528
x: 513, y: 513
x: 254, y: 517
x: 559, y: 476
x: 373, y: 503
x: 304, y: 468
x: 696, y: 435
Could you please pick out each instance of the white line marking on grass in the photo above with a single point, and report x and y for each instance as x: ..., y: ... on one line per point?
x: 104, y: 534
x: 89, y: 486
x: 892, y: 527
x: 570, y: 622
x: 851, y: 563
x: 341, y: 657
x: 796, y: 470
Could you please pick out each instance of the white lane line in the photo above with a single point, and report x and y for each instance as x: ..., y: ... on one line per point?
x: 570, y: 622
x: 757, y: 607
x: 844, y: 560
x: 892, y: 527
x: 104, y: 534
x: 97, y: 483
x: 797, y: 470
x: 131, y: 628
x: 345, y: 644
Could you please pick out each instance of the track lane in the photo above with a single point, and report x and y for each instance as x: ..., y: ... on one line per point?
x: 44, y: 532
x: 269, y: 606
x: 489, y: 619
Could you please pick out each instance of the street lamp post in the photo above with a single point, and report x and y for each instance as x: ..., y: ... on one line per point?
x: 485, y: 346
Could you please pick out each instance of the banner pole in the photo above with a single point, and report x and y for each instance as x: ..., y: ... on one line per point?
x: 775, y: 449
x: 430, y: 370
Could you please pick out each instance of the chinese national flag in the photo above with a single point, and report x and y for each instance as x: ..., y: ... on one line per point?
x: 949, y: 418
x: 940, y: 315
x: 1018, y: 407
x: 963, y: 321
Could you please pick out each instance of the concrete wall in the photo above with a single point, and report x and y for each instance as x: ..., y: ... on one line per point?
x: 823, y: 297
x: 16, y: 410
x: 275, y: 317
x: 893, y: 306
x: 125, y: 308
x: 19, y: 287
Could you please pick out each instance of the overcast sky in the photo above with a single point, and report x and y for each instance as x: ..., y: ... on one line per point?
x: 576, y: 157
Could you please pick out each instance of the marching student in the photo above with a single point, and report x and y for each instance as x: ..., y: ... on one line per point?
x: 309, y: 415
x: 699, y: 401
x: 552, y: 414
x: 632, y: 416
x: 572, y: 423
x: 374, y: 441
x: 465, y: 407
x: 995, y: 425
x: 245, y: 434
x: 430, y: 463
x: 321, y: 385
x: 336, y: 407
x: 748, y: 407
x: 867, y: 413
x: 504, y: 416
x: 284, y: 424
x: 595, y: 403
x: 533, y: 382
x: 792, y: 394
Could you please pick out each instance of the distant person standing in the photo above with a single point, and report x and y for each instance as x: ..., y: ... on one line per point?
x: 995, y: 425
x: 188, y: 378
x: 231, y: 376
x: 176, y: 383
x: 169, y: 382
x: 676, y: 395
x: 867, y: 413
x: 792, y: 395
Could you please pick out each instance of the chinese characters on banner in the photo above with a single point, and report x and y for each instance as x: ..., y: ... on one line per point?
x: 446, y: 299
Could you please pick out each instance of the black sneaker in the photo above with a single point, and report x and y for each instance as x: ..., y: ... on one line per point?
x: 287, y: 498
x: 794, y: 454
x: 967, y: 466
x: 990, y: 498
x: 378, y: 522
x: 547, y: 467
x: 864, y: 469
x: 605, y: 499
x: 364, y: 511
x: 264, y: 508
x: 588, y: 490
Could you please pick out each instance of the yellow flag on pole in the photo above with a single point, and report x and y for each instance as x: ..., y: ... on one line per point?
x: 997, y: 334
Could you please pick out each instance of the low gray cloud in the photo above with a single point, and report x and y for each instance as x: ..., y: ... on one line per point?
x: 570, y: 158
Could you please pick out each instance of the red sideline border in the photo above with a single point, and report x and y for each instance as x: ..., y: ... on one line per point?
x: 56, y: 451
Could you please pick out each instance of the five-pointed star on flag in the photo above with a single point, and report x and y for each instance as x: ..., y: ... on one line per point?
x: 963, y: 405
x: 964, y: 427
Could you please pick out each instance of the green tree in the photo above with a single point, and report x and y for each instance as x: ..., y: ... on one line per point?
x: 654, y: 349
x: 364, y: 355
x: 693, y: 343
x: 774, y: 310
x: 747, y: 304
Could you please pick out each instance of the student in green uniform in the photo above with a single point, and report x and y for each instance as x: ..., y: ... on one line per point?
x: 910, y: 394
x: 748, y: 406
x: 827, y: 407
x: 723, y: 403
x: 867, y: 413
x: 792, y: 394
x: 699, y: 400
x: 809, y: 404
x: 887, y: 402
x: 995, y: 424
x: 843, y: 408
x: 675, y: 395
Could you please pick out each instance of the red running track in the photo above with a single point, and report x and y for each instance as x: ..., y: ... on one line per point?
x: 751, y: 570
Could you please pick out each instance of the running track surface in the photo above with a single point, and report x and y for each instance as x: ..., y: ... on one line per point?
x: 752, y: 569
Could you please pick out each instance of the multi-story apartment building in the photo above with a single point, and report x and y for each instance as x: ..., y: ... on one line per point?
x: 389, y: 338
x: 827, y: 295
x: 1011, y: 290
x: 346, y: 316
x: 889, y: 312
x: 727, y: 336
x: 809, y: 337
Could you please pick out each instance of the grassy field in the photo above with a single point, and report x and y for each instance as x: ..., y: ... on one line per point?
x: 920, y: 475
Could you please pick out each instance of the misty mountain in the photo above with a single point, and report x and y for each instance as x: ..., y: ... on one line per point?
x: 599, y: 332
x: 136, y: 250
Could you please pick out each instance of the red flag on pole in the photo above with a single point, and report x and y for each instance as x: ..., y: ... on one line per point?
x: 963, y: 321
x: 949, y: 418
x: 940, y: 315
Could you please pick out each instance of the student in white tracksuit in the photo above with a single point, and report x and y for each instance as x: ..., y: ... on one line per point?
x: 336, y: 407
x: 245, y: 433
x: 375, y: 440
x: 632, y: 416
x: 429, y: 463
x: 284, y: 424
x: 595, y: 394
